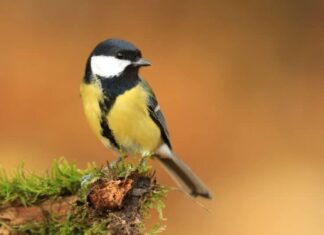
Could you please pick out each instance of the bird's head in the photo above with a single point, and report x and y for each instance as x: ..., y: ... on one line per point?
x: 113, y: 57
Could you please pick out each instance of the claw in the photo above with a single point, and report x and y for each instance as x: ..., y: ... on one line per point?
x: 143, y: 160
x: 118, y: 160
x: 86, y: 179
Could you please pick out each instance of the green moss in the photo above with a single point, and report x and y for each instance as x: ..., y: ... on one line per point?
x: 64, y: 179
x: 27, y: 188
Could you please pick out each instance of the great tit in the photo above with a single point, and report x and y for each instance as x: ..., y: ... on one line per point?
x: 124, y: 114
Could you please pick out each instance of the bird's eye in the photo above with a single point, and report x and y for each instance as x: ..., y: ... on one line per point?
x: 120, y: 55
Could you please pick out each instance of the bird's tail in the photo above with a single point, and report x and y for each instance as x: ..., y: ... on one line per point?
x: 182, y: 174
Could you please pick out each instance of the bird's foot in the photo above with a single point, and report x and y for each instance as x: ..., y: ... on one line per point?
x: 143, y: 162
x: 86, y: 179
x: 118, y: 160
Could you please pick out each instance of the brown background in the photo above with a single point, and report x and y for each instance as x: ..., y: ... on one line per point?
x: 241, y: 85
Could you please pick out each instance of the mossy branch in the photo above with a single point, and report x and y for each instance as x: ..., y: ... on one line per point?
x: 112, y: 200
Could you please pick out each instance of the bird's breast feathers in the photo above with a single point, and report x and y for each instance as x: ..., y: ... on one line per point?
x: 131, y: 123
x: 91, y: 95
x: 128, y: 119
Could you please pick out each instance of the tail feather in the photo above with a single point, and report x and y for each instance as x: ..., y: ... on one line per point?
x: 183, y: 175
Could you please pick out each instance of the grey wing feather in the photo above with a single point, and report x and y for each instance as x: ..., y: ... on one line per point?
x: 156, y: 114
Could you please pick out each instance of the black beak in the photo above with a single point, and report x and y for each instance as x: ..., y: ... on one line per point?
x: 141, y: 62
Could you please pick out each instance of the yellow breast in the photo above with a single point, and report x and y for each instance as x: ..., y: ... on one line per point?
x: 91, y: 95
x: 131, y: 124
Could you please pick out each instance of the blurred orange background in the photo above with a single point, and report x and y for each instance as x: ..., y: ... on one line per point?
x: 241, y: 85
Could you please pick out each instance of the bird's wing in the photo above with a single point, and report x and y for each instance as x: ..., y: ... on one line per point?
x: 156, y: 113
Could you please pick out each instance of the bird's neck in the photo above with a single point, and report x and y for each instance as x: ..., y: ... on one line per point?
x: 115, y: 86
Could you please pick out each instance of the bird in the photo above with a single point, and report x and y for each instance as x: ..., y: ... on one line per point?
x: 123, y: 112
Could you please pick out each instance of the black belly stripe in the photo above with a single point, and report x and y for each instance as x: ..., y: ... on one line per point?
x: 112, y: 88
x: 105, y: 130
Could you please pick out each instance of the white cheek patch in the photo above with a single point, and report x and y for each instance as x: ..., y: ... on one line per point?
x: 108, y: 66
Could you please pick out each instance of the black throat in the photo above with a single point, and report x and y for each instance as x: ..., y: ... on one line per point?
x: 112, y: 88
x: 115, y: 86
